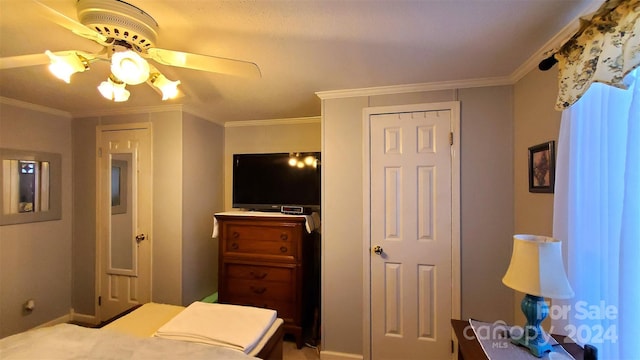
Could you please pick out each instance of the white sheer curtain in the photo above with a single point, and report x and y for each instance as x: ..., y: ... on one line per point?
x: 597, y: 216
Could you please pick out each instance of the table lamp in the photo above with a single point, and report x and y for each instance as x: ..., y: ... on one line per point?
x: 536, y: 269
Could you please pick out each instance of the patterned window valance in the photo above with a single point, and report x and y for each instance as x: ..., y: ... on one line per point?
x: 605, y: 49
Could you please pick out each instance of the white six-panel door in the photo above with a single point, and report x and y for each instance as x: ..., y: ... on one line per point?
x: 124, y: 218
x: 410, y: 235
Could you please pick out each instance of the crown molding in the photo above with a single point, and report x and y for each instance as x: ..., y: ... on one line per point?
x: 126, y: 111
x: 268, y: 122
x: 410, y: 88
x: 34, y: 107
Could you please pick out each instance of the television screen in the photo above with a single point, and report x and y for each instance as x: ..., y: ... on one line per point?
x: 269, y: 181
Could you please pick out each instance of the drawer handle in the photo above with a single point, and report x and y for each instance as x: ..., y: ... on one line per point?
x: 258, y: 290
x: 258, y: 276
x: 235, y: 235
x: 284, y: 236
x: 283, y: 249
x: 235, y: 246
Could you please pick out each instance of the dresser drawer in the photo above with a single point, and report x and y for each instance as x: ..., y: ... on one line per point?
x: 259, y: 289
x: 263, y: 273
x: 267, y: 241
x: 267, y: 232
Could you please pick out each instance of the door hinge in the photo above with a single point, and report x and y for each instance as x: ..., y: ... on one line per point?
x: 99, y: 300
x: 452, y: 347
x: 99, y: 152
x: 451, y: 138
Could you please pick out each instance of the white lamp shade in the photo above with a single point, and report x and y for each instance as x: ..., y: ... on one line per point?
x: 536, y: 267
x: 129, y: 67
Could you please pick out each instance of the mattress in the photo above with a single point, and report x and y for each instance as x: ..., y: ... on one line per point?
x: 147, y: 319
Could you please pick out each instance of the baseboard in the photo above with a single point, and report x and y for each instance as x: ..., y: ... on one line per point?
x: 83, y: 318
x: 333, y: 355
x: 61, y: 320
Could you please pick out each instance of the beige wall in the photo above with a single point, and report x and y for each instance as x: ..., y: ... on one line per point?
x: 35, y: 258
x: 535, y: 122
x: 487, y: 201
x: 84, y: 215
x: 203, y: 144
x: 272, y: 136
x: 486, y: 184
x: 341, y: 263
x: 167, y: 207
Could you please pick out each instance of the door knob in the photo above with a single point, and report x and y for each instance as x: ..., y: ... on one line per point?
x: 139, y: 238
x: 378, y: 250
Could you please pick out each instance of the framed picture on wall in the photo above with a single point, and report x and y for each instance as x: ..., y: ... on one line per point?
x: 542, y: 167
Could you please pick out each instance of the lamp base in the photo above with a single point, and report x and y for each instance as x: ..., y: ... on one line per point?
x: 536, y: 347
x: 535, y: 310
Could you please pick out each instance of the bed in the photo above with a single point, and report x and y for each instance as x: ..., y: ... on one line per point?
x: 158, y: 331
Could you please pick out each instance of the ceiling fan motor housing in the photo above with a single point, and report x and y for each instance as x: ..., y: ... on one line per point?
x: 119, y: 20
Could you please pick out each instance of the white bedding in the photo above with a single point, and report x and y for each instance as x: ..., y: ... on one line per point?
x: 234, y: 326
x: 65, y: 341
x: 147, y: 319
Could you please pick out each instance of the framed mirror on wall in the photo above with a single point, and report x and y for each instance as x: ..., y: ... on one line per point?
x: 31, y: 186
x: 119, y: 188
x: 122, y: 248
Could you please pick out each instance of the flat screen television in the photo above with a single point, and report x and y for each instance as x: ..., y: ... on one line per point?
x: 266, y: 182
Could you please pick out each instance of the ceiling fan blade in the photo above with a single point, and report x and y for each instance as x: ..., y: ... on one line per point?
x: 70, y: 24
x: 11, y: 62
x: 205, y: 63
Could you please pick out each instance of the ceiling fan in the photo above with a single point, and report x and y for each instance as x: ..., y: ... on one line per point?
x: 128, y: 36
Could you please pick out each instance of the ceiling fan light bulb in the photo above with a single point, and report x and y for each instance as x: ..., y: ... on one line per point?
x: 61, y: 71
x: 106, y: 89
x: 111, y: 90
x: 168, y: 88
x: 129, y: 67
x: 170, y: 92
x: 120, y: 94
x: 64, y: 66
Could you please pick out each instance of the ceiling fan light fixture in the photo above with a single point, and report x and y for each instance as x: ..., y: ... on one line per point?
x: 63, y: 66
x: 129, y: 67
x: 128, y: 37
x: 114, y: 90
x: 168, y: 88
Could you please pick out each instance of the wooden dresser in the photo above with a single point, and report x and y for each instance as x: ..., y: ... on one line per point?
x: 270, y: 262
